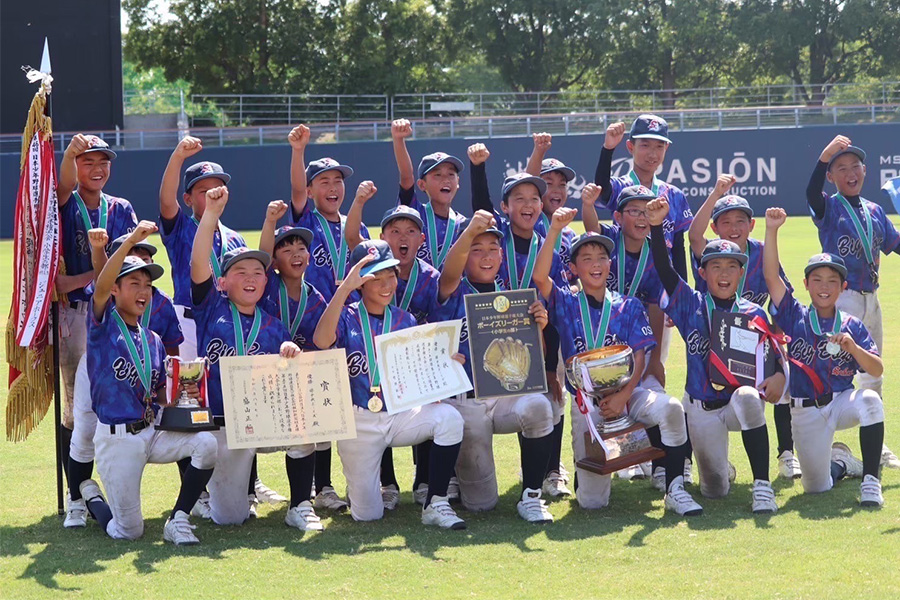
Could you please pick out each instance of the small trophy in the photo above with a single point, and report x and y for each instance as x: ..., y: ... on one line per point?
x: 185, y: 413
x: 623, y: 442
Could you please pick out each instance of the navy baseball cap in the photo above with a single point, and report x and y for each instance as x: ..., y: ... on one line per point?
x: 133, y: 263
x: 731, y: 202
x: 826, y: 259
x: 855, y: 150
x: 633, y: 192
x: 317, y: 167
x: 384, y: 258
x: 549, y: 165
x: 590, y: 237
x: 145, y: 245
x: 438, y: 158
x: 513, y: 181
x: 204, y: 170
x: 287, y: 231
x: 98, y: 145
x: 722, y: 249
x: 232, y: 257
x: 650, y: 126
x: 402, y: 212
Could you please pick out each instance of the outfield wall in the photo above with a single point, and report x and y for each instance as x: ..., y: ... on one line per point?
x: 772, y: 167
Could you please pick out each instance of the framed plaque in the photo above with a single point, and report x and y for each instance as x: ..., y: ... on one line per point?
x: 736, y: 347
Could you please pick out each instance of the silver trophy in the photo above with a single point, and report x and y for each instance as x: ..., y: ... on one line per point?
x: 186, y: 413
x: 598, y: 373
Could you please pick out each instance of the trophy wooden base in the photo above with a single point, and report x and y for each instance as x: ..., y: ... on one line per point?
x: 186, y: 419
x: 627, y: 447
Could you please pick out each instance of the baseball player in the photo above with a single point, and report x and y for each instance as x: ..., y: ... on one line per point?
x: 471, y: 267
x: 125, y: 360
x: 857, y: 230
x: 83, y: 205
x: 829, y: 347
x: 417, y: 284
x: 557, y: 177
x: 232, y: 323
x: 520, y: 210
x: 354, y: 327
x: 711, y: 412
x: 159, y: 316
x: 438, y: 179
x: 732, y: 219
x: 595, y: 317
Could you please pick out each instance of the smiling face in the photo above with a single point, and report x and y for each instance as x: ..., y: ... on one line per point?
x: 291, y: 258
x: 648, y: 153
x: 327, y: 192
x: 557, y: 192
x: 440, y: 184
x: 824, y: 286
x: 847, y: 173
x: 377, y: 293
x: 244, y: 282
x: 92, y: 171
x: 196, y: 197
x: 523, y: 206
x: 591, y: 266
x: 722, y: 275
x: 485, y: 256
x: 633, y: 219
x: 133, y: 293
x: 734, y: 226
x: 404, y: 237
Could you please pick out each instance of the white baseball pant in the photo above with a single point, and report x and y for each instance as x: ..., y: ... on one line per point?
x: 813, y: 429
x: 121, y: 457
x: 72, y: 346
x: 530, y: 414
x: 188, y: 348
x: 867, y: 309
x: 85, y: 420
x: 361, y: 457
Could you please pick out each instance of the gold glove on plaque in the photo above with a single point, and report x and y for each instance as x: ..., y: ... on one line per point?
x: 509, y: 360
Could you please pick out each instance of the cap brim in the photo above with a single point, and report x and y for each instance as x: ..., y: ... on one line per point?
x: 379, y: 266
x: 738, y: 256
x: 225, y: 177
x: 539, y: 183
x: 603, y: 240
x: 652, y: 136
x: 154, y: 270
x: 567, y: 172
x: 450, y: 159
x: 301, y: 232
x: 344, y: 170
x: 842, y: 270
x: 854, y: 150
x: 258, y: 255
x: 393, y: 217
x: 109, y: 153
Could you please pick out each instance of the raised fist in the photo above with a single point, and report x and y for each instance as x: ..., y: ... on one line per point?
x: 78, y: 145
x: 98, y: 238
x: 188, y: 146
x: 401, y: 129
x: 724, y: 183
x: 365, y: 191
x: 542, y: 141
x: 590, y: 193
x: 775, y: 217
x: 143, y: 230
x: 657, y: 210
x: 478, y: 154
x: 562, y: 216
x: 480, y: 222
x: 216, y: 199
x: 276, y: 210
x: 299, y: 137
x: 614, y: 135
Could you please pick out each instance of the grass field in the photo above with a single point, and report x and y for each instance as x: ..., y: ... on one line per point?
x: 815, y: 547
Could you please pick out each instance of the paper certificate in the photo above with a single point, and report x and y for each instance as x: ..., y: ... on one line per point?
x: 272, y: 401
x: 416, y: 368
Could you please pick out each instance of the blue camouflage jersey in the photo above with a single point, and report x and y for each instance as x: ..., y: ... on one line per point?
x: 628, y: 322
x: 564, y: 242
x: 350, y: 338
x: 557, y: 273
x: 315, y: 307
x: 687, y: 308
x: 178, y: 238
x: 76, y: 249
x: 410, y: 198
x: 755, y: 288
x: 680, y: 215
x: 649, y: 287
x: 424, y: 296
x: 320, y: 272
x: 215, y: 337
x: 835, y: 372
x: 838, y: 236
x: 117, y: 393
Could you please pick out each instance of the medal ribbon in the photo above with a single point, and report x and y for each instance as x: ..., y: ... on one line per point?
x: 143, y: 367
x: 241, y: 345
x: 638, y: 272
x: 514, y: 282
x: 466, y: 281
x: 338, y: 257
x: 215, y: 261
x: 865, y: 237
x: 410, y: 288
x: 711, y: 306
x: 594, y: 339
x: 285, y: 305
x: 439, y: 254
x: 145, y: 318
x: 86, y: 216
x: 374, y: 375
x: 817, y: 327
x: 654, y: 185
x: 546, y: 221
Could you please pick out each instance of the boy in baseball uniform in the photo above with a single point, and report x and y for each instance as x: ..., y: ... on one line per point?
x: 557, y: 177
x: 829, y: 347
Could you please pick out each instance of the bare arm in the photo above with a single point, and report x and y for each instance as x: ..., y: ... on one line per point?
x: 298, y: 138
x: 364, y: 193
x: 697, y: 231
x: 400, y: 130
x: 98, y: 238
x: 68, y: 179
x: 455, y: 263
x: 275, y: 210
x: 216, y: 199
x: 168, y: 188
x: 542, y: 143
x: 775, y: 218
x: 542, y: 265
x: 589, y: 196
x: 68, y: 283
x: 110, y: 273
x: 326, y: 331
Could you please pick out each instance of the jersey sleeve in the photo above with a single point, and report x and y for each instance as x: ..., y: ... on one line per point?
x: 891, y: 236
x: 862, y: 337
x: 680, y: 305
x: 345, y: 328
x: 679, y: 210
x: 640, y: 336
x: 787, y: 313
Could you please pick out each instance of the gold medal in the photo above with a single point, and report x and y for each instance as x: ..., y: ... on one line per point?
x: 718, y: 387
x: 375, y: 404
x: 148, y: 413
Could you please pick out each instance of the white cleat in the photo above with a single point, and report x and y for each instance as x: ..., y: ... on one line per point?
x: 390, y: 497
x: 441, y: 514
x: 532, y: 508
x: 266, y: 494
x: 870, y: 492
x: 763, y: 498
x: 328, y: 499
x: 201, y: 507
x: 420, y: 495
x: 888, y: 458
x: 680, y: 502
x: 788, y: 466
x: 76, y: 514
x: 254, y: 505
x: 632, y: 472
x: 554, y: 486
x: 303, y: 517
x: 659, y: 479
x: 840, y: 453
x: 179, y: 530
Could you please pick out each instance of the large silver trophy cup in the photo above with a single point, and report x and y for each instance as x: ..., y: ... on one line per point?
x: 186, y: 413
x: 598, y: 373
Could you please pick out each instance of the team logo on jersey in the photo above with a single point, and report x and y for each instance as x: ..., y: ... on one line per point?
x: 124, y: 370
x: 464, y: 332
x: 217, y: 348
x: 697, y: 344
x: 357, y: 364
x: 321, y: 257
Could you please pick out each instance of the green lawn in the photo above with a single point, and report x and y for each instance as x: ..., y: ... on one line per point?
x: 815, y: 547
